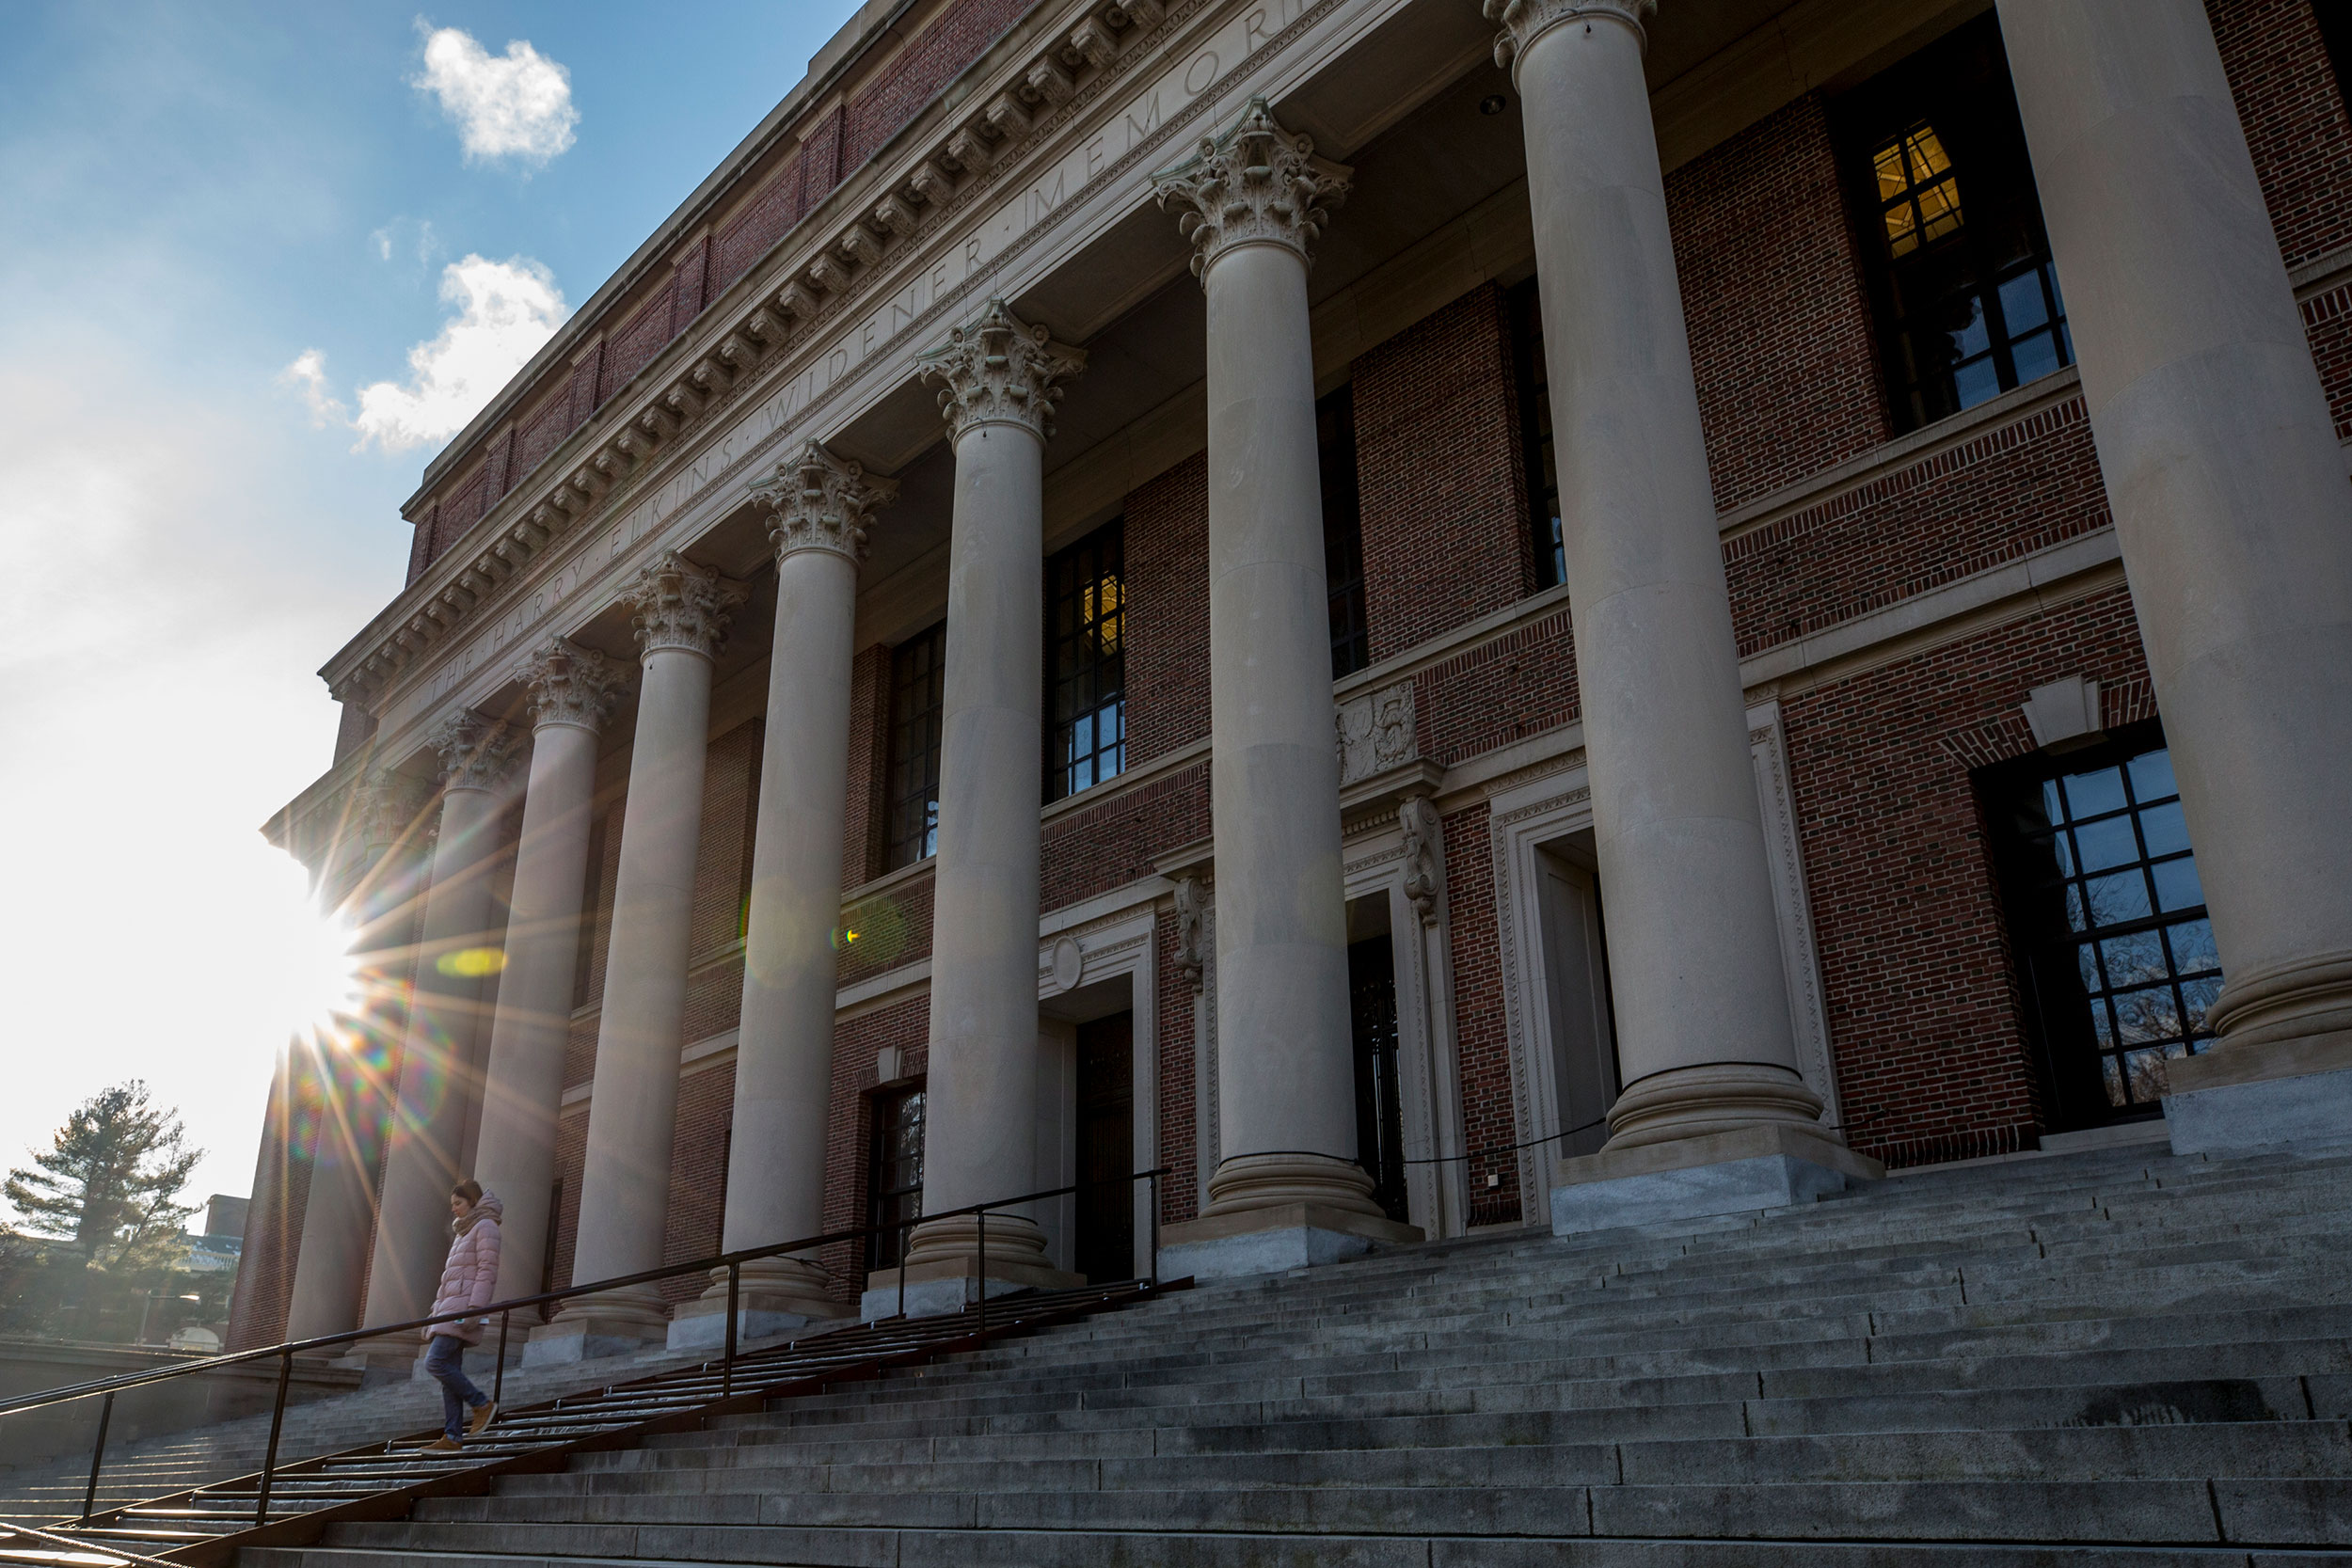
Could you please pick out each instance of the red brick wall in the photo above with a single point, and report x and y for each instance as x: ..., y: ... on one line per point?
x: 1482, y: 1032
x: 890, y: 929
x: 1503, y: 690
x: 1097, y: 849
x: 1779, y: 322
x: 1167, y: 543
x: 2294, y: 119
x: 938, y: 54
x: 2019, y: 488
x: 698, y: 1165
x: 1441, y: 472
x: 1179, y: 1112
x: 1923, y: 1016
x: 571, y: 1158
x: 867, y: 809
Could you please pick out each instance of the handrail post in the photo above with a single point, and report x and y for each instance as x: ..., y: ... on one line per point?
x: 97, y: 1457
x: 498, y: 1374
x: 726, y: 1367
x: 1156, y: 1227
x: 982, y: 1217
x: 904, y: 1246
x: 276, y: 1425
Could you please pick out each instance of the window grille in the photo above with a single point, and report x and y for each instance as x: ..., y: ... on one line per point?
x: 1342, y: 531
x: 894, y: 1185
x: 1086, y: 663
x: 918, y: 696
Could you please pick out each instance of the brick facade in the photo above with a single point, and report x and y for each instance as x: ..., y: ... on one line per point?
x: 1924, y: 1019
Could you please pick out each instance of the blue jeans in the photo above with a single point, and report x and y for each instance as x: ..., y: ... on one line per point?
x: 445, y: 1362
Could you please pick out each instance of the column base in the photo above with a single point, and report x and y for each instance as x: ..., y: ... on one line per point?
x: 942, y: 1270
x: 2253, y: 1096
x: 1772, y: 1166
x: 1274, y: 1240
x: 611, y: 1323
x: 703, y: 1325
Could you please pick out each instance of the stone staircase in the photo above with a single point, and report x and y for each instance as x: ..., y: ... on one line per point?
x: 2116, y: 1357
x: 2080, y: 1352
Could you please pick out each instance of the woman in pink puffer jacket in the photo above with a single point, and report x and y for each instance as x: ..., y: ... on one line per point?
x: 470, y: 1279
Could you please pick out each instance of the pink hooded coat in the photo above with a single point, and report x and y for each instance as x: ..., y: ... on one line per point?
x: 470, y: 1276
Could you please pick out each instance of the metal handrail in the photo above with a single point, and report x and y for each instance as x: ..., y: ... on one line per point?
x: 732, y: 1261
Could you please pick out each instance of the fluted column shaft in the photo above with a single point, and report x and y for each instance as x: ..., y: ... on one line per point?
x: 1701, y: 1015
x: 784, y: 1050
x: 573, y: 692
x: 625, y: 1186
x: 1286, y: 1074
x: 2228, y: 489
x: 981, y: 1105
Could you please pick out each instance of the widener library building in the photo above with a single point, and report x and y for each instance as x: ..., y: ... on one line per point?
x: 1427, y: 621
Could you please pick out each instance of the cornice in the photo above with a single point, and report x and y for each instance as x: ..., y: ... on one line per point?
x: 768, y: 319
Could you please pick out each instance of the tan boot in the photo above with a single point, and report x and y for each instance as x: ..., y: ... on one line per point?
x: 442, y: 1445
x: 482, y: 1417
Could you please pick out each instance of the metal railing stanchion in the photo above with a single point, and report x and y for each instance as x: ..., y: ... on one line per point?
x: 906, y: 1243
x: 276, y: 1425
x: 982, y: 1217
x: 97, y: 1457
x: 498, y: 1374
x: 1155, y: 1228
x: 726, y: 1364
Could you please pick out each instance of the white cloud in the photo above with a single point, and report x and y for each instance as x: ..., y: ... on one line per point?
x: 506, y: 310
x: 307, y: 376
x: 406, y: 236
x: 517, y: 105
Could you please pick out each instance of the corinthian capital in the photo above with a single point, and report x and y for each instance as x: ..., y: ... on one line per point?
x: 819, y: 502
x: 1256, y: 185
x: 680, y: 604
x: 999, y: 371
x: 1525, y: 21
x: 571, y: 684
x: 383, y: 805
x: 475, y: 752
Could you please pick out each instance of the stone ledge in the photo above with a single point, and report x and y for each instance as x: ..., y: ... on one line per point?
x: 1274, y: 1240
x: 2258, y: 1109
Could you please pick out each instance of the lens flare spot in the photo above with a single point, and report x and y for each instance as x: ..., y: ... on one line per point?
x: 471, y: 963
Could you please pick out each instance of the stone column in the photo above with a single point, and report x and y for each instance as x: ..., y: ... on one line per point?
x: 682, y: 612
x: 1288, y: 1190
x: 573, y: 692
x: 456, y: 951
x: 1715, y: 1115
x: 2228, y: 488
x: 821, y: 510
x: 376, y: 884
x: 998, y: 380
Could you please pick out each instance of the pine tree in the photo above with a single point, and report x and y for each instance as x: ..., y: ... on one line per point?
x: 110, y: 1182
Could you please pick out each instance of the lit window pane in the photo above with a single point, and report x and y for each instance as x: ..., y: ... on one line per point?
x: 2077, y: 918
x: 1889, y: 166
x: 2152, y: 776
x: 2192, y: 946
x: 2022, y: 304
x: 2087, y: 960
x: 1976, y: 383
x: 2197, y: 996
x: 2035, y: 356
x: 1901, y: 229
x: 1972, y: 337
x: 2164, y: 829
x: 2106, y: 843
x: 2134, y: 959
x: 2094, y: 794
x: 2064, y: 854
x: 2177, y: 885
x: 2145, y: 1073
x: 2102, y: 1028
x: 2146, y: 1015
x: 2113, y: 900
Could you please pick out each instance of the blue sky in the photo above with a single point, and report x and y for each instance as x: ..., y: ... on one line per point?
x: 218, y: 224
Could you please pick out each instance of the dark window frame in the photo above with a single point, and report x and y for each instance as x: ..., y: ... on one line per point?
x: 1538, y: 455
x: 2109, y: 937
x: 1963, y: 318
x: 917, y: 711
x: 889, y: 1201
x: 1342, y: 530
x: 1086, y: 663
